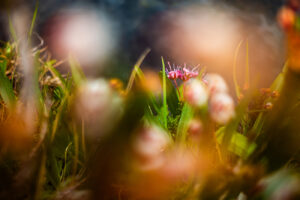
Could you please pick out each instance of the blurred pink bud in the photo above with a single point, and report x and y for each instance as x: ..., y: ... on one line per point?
x: 97, y: 105
x: 85, y: 33
x: 215, y: 83
x: 221, y: 108
x: 195, y: 93
x: 149, y: 144
x: 195, y: 129
x: 179, y: 164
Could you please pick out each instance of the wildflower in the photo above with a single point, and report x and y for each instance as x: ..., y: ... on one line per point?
x: 184, y: 74
x: 215, y: 83
x: 221, y: 108
x: 174, y: 72
x: 189, y: 73
x: 195, y: 93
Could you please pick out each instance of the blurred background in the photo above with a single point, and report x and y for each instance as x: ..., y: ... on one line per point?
x: 205, y: 32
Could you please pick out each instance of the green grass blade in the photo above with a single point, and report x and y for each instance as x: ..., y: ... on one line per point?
x: 6, y: 89
x: 56, y: 74
x: 276, y: 86
x: 12, y: 30
x: 135, y: 70
x: 77, y: 73
x: 239, y: 144
x: 232, y: 126
x: 33, y: 19
x: 186, y: 115
x: 165, y: 106
x: 247, y: 72
x: 236, y: 85
x: 62, y: 177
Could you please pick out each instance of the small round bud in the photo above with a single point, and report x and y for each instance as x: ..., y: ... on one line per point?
x: 215, y: 83
x: 195, y: 93
x: 195, y: 128
x: 97, y: 105
x: 221, y: 107
x: 150, y: 142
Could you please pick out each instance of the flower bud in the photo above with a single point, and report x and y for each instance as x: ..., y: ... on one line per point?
x: 221, y: 108
x: 215, y: 83
x: 85, y: 33
x: 180, y: 164
x: 150, y: 142
x: 195, y: 129
x: 195, y: 93
x: 97, y: 105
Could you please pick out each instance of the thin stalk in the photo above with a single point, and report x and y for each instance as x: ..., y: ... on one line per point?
x: 165, y: 106
x: 83, y: 139
x: 33, y: 19
x: 237, y: 88
x: 247, y: 73
x: 135, y: 70
x: 178, y: 91
x: 76, y: 146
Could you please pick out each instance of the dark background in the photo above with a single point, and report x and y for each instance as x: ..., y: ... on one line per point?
x: 134, y: 18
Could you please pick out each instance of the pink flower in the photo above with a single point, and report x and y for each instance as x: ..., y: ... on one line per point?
x: 190, y: 73
x: 174, y: 73
x: 184, y: 74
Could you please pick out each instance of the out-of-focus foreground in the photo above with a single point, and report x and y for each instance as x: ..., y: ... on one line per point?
x: 185, y: 131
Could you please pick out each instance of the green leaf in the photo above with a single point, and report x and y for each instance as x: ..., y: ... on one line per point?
x: 239, y: 144
x: 77, y: 73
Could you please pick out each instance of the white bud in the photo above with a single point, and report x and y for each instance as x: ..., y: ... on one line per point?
x: 97, y: 105
x: 221, y: 107
x: 150, y: 142
x: 215, y: 83
x: 195, y: 93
